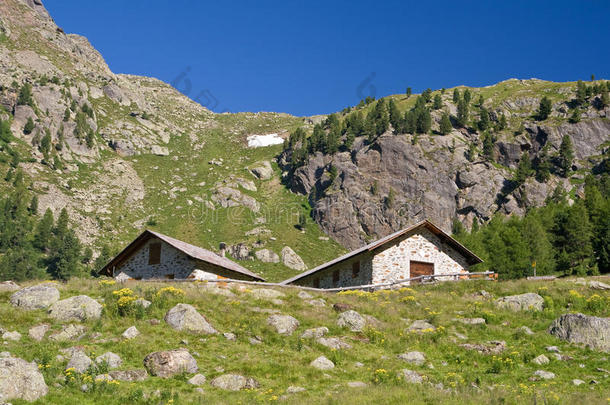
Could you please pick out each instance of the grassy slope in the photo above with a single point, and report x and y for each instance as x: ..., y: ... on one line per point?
x: 283, y: 361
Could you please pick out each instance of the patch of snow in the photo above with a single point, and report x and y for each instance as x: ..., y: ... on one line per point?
x: 257, y: 141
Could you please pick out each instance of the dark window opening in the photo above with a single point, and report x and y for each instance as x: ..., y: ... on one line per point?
x: 316, y: 282
x: 355, y: 269
x: 336, y: 276
x: 154, y: 253
x: 169, y: 276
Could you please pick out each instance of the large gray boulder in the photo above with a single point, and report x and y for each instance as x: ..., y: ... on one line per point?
x: 68, y: 332
x: 591, y: 331
x: 267, y: 256
x: 521, y: 302
x: 314, y: 333
x: 410, y: 376
x: 79, y: 362
x: 78, y: 308
x: 417, y: 358
x: 334, y: 343
x: 137, y: 374
x: 171, y: 362
x: 112, y: 360
x: 36, y: 297
x: 292, y: 260
x: 234, y: 382
x: 322, y: 363
x: 352, y: 320
x: 184, y: 317
x: 421, y: 326
x: 8, y: 286
x: 263, y: 171
x: 266, y: 293
x: 20, y: 380
x: 283, y: 324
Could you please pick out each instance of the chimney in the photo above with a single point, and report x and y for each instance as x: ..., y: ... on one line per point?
x: 223, y: 248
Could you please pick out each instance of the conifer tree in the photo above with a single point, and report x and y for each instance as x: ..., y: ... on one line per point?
x: 581, y: 92
x: 427, y: 95
x: 395, y: 118
x: 544, y: 110
x: 483, y: 123
x: 467, y: 96
x: 349, y: 139
x: 25, y: 95
x: 445, y: 124
x: 488, y: 146
x: 575, y: 117
x: 409, y: 92
x: 44, y: 231
x: 462, y: 113
x: 456, y: 96
x: 438, y: 102
x: 566, y: 155
x: 29, y: 126
x: 104, y: 257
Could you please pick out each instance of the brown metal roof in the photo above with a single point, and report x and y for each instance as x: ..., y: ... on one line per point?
x: 192, y: 251
x: 471, y: 258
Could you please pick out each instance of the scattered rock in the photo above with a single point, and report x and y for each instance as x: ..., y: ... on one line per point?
x: 78, y: 308
x: 333, y: 343
x: 267, y: 256
x: 131, y: 333
x: 410, y: 376
x: 471, y: 321
x: 283, y: 324
x: 417, y: 358
x: 292, y: 260
x: 266, y: 293
x: 553, y: 349
x: 294, y: 390
x: 304, y: 295
x: 491, y: 347
x: 314, y: 333
x: 526, y: 330
x: 159, y: 150
x: 197, y: 379
x: 20, y: 379
x: 421, y: 326
x: 577, y: 382
x: 234, y: 382
x: 168, y: 363
x: 112, y: 360
x: 68, y: 332
x: 37, y: 332
x: 541, y: 360
x: 154, y: 322
x: 351, y: 320
x: 341, y: 307
x: 255, y: 341
x: 521, y: 302
x: 133, y: 375
x: 322, y: 363
x: 240, y: 252
x: 356, y: 384
x: 229, y: 336
x: 184, y: 317
x: 35, y: 297
x: 591, y: 331
x: 79, y: 361
x: 545, y: 375
x: 8, y: 286
x: 142, y: 302
x: 264, y: 171
x: 14, y: 336
x: 318, y: 302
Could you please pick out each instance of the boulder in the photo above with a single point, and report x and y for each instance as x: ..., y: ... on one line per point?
x: 68, y: 332
x: 292, y: 260
x: 541, y: 360
x: 129, y: 375
x: 333, y: 343
x: 159, y: 150
x: 421, y: 326
x: 471, y: 321
x: 304, y: 295
x: 36, y: 297
x: 352, y: 320
x: 417, y: 358
x: 184, y: 317
x: 197, y: 379
x: 294, y: 389
x: 131, y: 333
x: 356, y: 384
x: 267, y: 293
x: 322, y: 363
x: 521, y: 302
x: 79, y: 361
x: 410, y: 376
x: 491, y: 347
x: 8, y: 286
x: 263, y: 171
x: 112, y: 360
x: 526, y: 330
x: 142, y: 302
x: 20, y: 380
x: 14, y: 336
x: 234, y: 382
x: 78, y: 308
x: 240, y: 252
x: 317, y: 302
x: 314, y: 333
x: 545, y: 375
x: 38, y: 332
x: 591, y: 331
x: 283, y: 324
x: 341, y: 307
x: 168, y: 363
x: 267, y: 256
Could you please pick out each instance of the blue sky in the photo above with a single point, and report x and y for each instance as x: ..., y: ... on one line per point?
x: 315, y: 57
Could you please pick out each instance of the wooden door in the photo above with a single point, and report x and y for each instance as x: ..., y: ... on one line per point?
x: 421, y: 269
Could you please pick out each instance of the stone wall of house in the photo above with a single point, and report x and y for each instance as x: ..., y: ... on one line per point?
x: 173, y: 261
x: 392, y: 263
x: 346, y: 278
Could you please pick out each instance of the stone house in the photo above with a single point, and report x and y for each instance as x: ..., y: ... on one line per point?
x: 422, y: 249
x: 154, y: 255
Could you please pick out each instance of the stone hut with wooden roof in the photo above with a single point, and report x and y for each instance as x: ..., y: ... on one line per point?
x: 422, y: 249
x: 153, y: 255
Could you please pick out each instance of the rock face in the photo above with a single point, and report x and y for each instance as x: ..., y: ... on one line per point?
x: 79, y: 308
x: 521, y: 302
x: 185, y: 317
x: 591, y: 331
x: 283, y: 324
x: 292, y: 260
x: 352, y: 320
x: 20, y: 380
x: 35, y: 297
x: 234, y: 382
x: 169, y: 363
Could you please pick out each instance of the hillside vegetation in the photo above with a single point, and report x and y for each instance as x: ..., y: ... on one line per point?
x: 459, y: 362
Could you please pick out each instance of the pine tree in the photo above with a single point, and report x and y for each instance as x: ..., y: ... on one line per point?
x: 29, y: 126
x: 427, y: 95
x: 471, y: 153
x: 104, y: 257
x: 410, y: 122
x: 438, y: 102
x: 5, y: 132
x: 25, y: 95
x: 573, y: 235
x: 390, y: 199
x: 349, y: 139
x: 67, y: 115
x: 467, y: 96
x: 545, y: 108
x: 605, y: 99
x: 395, y: 118
x: 65, y: 250
x: 409, y: 92
x: 457, y: 228
x: 524, y: 170
x: 488, y: 146
x: 369, y: 129
x: 424, y: 121
x: 44, y: 231
x: 456, y: 96
x: 462, y: 113
x: 543, y: 165
x: 33, y: 208
x: 445, y: 124
x: 540, y: 248
x: 332, y: 143
x: 575, y: 117
x: 581, y: 92
x: 566, y: 155
x: 502, y: 124
x: 483, y: 123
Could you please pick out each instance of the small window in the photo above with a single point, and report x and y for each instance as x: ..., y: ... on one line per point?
x: 336, y: 276
x: 356, y: 269
x: 169, y: 276
x: 316, y: 282
x: 154, y: 253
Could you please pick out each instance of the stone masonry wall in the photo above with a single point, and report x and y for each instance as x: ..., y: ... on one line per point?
x: 392, y: 263
x: 345, y: 274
